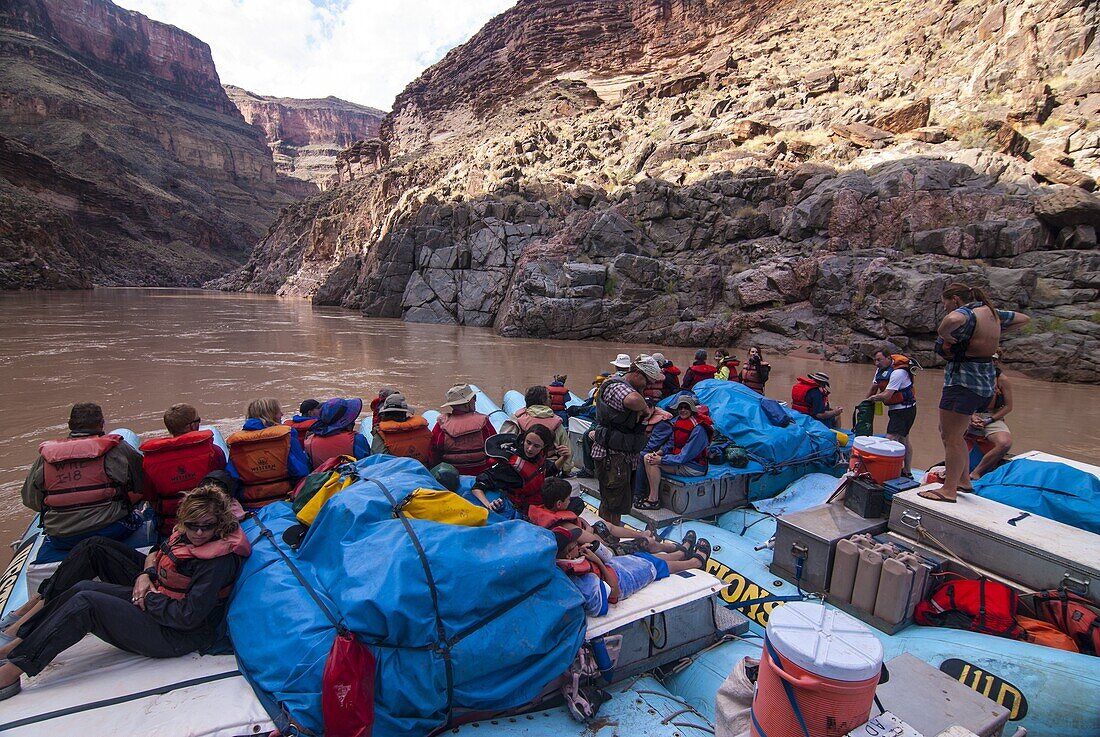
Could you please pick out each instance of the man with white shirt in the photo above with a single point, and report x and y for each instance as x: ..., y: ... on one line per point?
x: 894, y: 384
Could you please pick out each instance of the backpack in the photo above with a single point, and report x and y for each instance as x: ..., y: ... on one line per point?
x: 979, y: 606
x: 1072, y: 614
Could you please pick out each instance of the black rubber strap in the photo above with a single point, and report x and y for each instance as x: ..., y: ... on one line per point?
x: 159, y: 691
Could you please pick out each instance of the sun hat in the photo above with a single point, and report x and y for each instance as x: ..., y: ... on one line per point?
x: 336, y: 415
x: 687, y: 399
x: 458, y: 395
x: 502, y: 446
x: 648, y: 367
x: 395, y: 404
x: 621, y: 361
x: 820, y: 377
x: 659, y: 358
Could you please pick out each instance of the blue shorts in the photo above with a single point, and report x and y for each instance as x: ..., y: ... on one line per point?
x: 658, y: 563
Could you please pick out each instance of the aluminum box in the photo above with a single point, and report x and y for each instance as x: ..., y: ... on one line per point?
x: 814, y: 533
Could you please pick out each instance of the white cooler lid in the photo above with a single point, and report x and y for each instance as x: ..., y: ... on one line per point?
x: 878, y: 446
x: 826, y: 642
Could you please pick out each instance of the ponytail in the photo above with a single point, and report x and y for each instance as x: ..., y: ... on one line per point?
x: 968, y: 294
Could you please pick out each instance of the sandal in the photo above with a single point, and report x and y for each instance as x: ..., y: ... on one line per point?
x: 645, y: 504
x: 934, y: 496
x: 689, y: 542
x: 702, y: 552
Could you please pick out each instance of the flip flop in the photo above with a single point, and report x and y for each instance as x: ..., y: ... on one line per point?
x: 965, y: 490
x: 702, y: 551
x: 645, y: 504
x: 934, y: 496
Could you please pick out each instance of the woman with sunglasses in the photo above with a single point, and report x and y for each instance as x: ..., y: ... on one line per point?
x: 163, y: 605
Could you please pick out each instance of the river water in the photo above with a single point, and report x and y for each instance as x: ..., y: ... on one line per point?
x: 137, y: 351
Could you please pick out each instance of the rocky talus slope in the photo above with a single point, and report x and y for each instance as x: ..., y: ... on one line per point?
x: 305, y: 135
x: 804, y: 175
x: 122, y: 161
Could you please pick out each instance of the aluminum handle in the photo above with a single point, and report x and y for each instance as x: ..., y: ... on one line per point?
x: 909, y: 518
x: 1076, y: 585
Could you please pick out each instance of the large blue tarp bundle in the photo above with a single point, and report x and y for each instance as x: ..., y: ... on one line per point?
x: 503, y: 622
x: 1053, y: 490
x: 736, y: 412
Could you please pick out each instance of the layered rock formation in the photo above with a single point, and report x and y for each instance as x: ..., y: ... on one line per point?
x: 305, y: 136
x: 803, y: 175
x: 122, y: 161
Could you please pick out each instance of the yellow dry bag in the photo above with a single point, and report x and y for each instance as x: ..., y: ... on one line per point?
x: 443, y: 506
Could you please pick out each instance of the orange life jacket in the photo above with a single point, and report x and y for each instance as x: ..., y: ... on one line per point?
x: 559, y: 395
x: 526, y: 421
x: 175, y: 465
x: 408, y: 439
x: 261, y: 459
x: 750, y: 377
x: 171, y: 582
x: 463, y: 443
x: 301, y: 426
x: 320, y: 448
x: 908, y: 395
x: 75, y: 472
x: 533, y: 475
x: 681, y: 431
x: 799, y: 391
x: 548, y: 519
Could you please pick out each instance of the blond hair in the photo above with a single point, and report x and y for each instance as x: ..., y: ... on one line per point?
x: 207, y: 500
x: 266, y: 410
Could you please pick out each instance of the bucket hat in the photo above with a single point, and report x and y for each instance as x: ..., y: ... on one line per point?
x: 458, y: 395
x: 621, y: 361
x: 337, y: 415
x: 395, y: 404
x: 687, y: 399
x: 648, y: 367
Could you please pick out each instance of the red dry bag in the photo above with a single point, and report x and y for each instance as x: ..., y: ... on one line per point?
x: 347, y: 688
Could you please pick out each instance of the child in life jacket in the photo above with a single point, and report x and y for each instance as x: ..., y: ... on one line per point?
x: 604, y: 579
x: 557, y: 508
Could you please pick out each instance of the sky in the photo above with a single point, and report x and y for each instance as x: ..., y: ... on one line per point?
x: 364, y: 51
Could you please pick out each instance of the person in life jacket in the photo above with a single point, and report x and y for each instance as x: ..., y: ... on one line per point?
x: 621, y: 363
x: 266, y: 456
x: 460, y: 433
x: 895, y: 389
x: 810, y: 396
x: 176, y: 464
x: 670, y: 376
x: 969, y: 335
x: 728, y: 368
x: 700, y: 370
x: 333, y: 434
x: 401, y: 432
x: 86, y: 483
x: 618, y: 435
x: 684, y: 454
x: 989, y: 425
x: 756, y: 371
x: 555, y: 509
x: 604, y: 579
x: 162, y: 605
x: 537, y: 412
x: 559, y: 396
x: 520, y: 467
x: 308, y: 412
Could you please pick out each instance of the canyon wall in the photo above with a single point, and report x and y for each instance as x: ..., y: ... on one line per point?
x: 122, y: 160
x: 305, y: 135
x: 800, y: 174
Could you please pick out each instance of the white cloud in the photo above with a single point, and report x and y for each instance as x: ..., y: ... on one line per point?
x: 365, y: 51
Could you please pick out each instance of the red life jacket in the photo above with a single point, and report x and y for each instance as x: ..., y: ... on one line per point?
x: 543, y: 517
x: 731, y: 364
x: 982, y: 606
x: 464, y: 443
x: 175, y: 465
x: 698, y: 372
x: 654, y: 390
x: 671, y: 382
x: 533, y: 475
x: 320, y: 448
x: 171, y: 582
x: 681, y: 431
x: 1072, y: 614
x: 301, y: 426
x: 407, y: 439
x: 559, y: 395
x: 526, y: 421
x: 908, y: 395
x: 261, y: 459
x: 799, y: 391
x: 75, y: 472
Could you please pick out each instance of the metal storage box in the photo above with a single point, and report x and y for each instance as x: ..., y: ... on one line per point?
x: 931, y: 701
x: 703, y: 497
x: 865, y: 498
x: 1034, y: 551
x: 813, y: 533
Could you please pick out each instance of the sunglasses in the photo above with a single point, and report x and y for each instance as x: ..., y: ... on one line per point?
x: 199, y: 526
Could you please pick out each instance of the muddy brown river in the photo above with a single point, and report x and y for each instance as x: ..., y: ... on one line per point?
x: 137, y: 351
